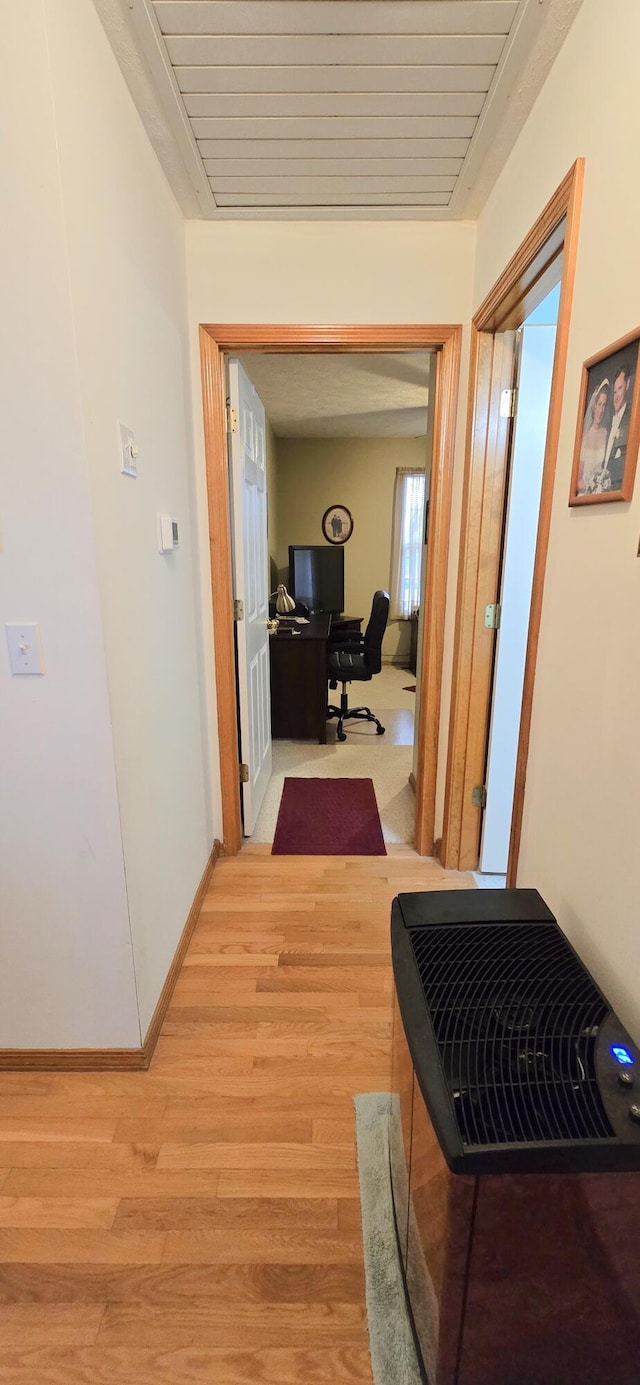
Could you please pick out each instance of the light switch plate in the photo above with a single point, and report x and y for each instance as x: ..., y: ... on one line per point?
x: 128, y: 452
x: 25, y: 648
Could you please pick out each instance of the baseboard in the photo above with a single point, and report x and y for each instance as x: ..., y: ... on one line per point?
x: 115, y: 1059
x: 72, y: 1059
x: 166, y: 993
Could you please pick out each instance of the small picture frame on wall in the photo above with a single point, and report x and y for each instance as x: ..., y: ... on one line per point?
x: 337, y: 524
x: 608, y: 429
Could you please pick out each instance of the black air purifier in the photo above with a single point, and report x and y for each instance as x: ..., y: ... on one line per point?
x: 515, y: 1147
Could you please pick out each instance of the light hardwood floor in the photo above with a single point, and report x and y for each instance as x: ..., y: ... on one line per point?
x: 200, y: 1222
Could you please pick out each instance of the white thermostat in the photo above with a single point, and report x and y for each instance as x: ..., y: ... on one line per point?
x: 167, y: 533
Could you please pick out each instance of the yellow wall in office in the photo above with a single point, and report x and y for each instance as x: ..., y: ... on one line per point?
x: 314, y: 473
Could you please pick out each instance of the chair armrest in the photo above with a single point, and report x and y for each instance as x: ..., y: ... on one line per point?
x: 345, y: 639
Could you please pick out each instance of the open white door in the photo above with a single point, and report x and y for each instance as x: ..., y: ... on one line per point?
x: 251, y: 586
x: 527, y: 462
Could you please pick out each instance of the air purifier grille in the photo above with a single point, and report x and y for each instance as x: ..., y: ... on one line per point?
x: 516, y: 1018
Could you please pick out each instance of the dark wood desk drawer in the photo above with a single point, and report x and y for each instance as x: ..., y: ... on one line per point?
x: 299, y: 682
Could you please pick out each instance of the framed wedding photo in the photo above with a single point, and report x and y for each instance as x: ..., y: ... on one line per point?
x: 337, y: 524
x: 608, y: 431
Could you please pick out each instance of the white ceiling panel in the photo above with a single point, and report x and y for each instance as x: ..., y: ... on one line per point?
x: 231, y: 49
x: 335, y: 184
x: 323, y: 199
x: 363, y: 78
x: 218, y: 169
x: 338, y: 128
x: 327, y: 148
x: 335, y: 16
x: 319, y: 107
x: 373, y: 104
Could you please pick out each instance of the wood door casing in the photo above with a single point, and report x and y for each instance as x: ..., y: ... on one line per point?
x: 215, y: 341
x: 525, y: 281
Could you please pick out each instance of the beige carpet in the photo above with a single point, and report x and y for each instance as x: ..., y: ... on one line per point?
x: 387, y: 765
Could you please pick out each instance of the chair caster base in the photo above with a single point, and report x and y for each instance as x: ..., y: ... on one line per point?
x: 380, y: 730
x: 342, y: 735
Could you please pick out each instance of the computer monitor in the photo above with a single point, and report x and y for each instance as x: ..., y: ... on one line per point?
x: 316, y: 576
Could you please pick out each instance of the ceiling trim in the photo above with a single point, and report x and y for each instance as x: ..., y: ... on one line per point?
x: 532, y: 47
x: 134, y: 34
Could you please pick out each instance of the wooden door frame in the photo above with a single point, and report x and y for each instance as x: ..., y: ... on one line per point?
x: 524, y: 283
x: 216, y: 340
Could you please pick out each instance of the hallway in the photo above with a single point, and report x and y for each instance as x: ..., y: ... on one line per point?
x: 200, y: 1222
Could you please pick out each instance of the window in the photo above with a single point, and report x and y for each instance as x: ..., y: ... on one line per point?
x: 408, y: 541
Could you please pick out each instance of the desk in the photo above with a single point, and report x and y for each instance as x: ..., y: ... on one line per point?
x: 299, y: 677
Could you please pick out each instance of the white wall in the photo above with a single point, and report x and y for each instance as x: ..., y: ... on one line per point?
x: 580, y: 829
x: 125, y: 237
x: 329, y: 272
x: 66, y: 973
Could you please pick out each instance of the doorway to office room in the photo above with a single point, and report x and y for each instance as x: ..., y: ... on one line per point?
x: 345, y: 444
x: 217, y: 340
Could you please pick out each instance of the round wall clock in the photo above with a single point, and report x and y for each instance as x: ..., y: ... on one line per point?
x: 337, y: 524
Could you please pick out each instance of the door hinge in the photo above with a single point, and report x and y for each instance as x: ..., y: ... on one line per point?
x: 493, y: 616
x: 508, y: 401
x: 232, y: 420
x: 244, y: 774
x: 238, y: 610
x: 479, y: 796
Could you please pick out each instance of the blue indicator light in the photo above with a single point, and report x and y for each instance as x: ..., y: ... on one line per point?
x: 621, y: 1055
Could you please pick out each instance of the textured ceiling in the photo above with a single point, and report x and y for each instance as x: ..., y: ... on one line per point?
x: 334, y: 108
x: 355, y: 396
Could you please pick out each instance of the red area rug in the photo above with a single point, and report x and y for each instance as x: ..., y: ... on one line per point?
x: 328, y: 817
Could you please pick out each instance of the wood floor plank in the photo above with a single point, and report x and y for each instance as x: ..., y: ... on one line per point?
x: 169, y: 1284
x: 209, y: 1323
x: 349, y: 957
x: 254, y: 963
x: 288, y: 1183
x: 333, y: 1132
x: 24, y: 1128
x: 63, y: 1324
x: 200, y: 1222
x: 56, y: 1183
x: 263, y: 1247
x: 79, y: 1247
x: 261, y: 1156
x: 81, y: 1107
x: 289, y: 1046
x: 310, y: 1107
x: 58, y: 1212
x: 323, y: 1002
x: 349, y: 1219
x: 201, y: 1022
x: 67, y: 1155
x: 249, y: 1127
x: 336, y: 978
x: 231, y: 1214
x: 133, y: 1365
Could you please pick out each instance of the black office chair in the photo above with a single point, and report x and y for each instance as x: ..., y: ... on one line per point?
x: 355, y: 658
